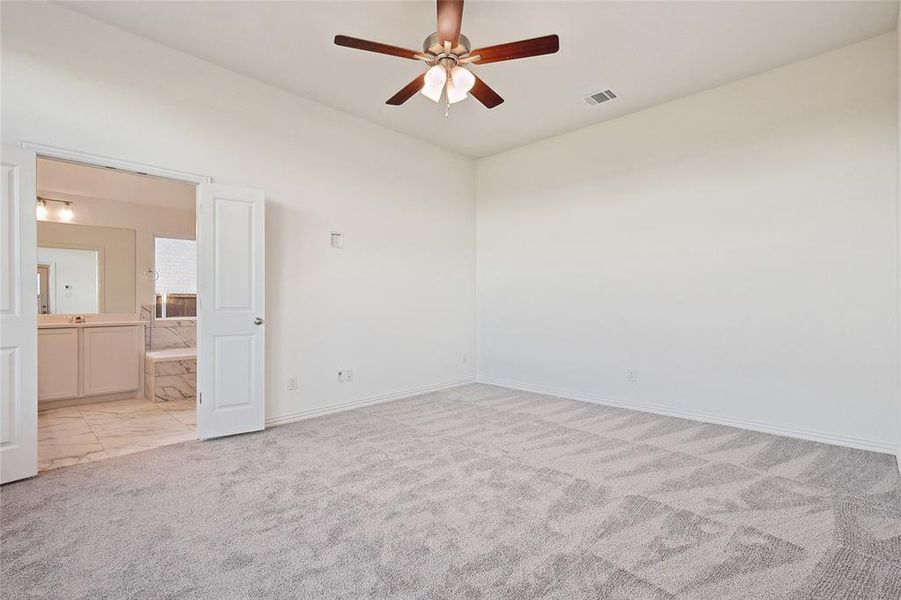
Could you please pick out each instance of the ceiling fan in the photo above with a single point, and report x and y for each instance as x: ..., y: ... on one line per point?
x: 448, y: 53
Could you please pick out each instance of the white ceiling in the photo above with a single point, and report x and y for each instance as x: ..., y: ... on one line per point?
x: 647, y: 52
x: 69, y: 181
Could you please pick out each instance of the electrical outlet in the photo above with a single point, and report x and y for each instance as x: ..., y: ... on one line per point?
x: 631, y: 375
x: 465, y: 357
x: 341, y: 376
x: 292, y: 384
x: 350, y: 374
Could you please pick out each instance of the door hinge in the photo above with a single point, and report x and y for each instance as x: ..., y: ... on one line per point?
x: 200, y: 397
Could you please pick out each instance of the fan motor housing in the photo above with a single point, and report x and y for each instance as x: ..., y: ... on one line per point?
x: 432, y: 45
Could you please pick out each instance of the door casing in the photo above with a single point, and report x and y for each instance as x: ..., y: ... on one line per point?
x: 35, y: 150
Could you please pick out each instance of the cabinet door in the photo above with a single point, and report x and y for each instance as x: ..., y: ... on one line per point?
x: 111, y: 359
x: 57, y: 364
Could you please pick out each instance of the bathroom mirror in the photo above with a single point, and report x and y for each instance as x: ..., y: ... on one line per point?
x: 85, y: 269
x: 68, y: 281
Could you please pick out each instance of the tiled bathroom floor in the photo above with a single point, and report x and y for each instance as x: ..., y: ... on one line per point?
x: 78, y: 434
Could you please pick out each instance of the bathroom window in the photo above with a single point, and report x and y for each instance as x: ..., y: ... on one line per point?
x: 176, y: 284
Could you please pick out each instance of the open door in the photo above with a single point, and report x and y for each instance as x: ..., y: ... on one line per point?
x: 230, y: 310
x: 18, y: 317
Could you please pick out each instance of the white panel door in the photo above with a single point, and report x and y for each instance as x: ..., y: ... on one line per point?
x: 18, y: 317
x: 231, y: 303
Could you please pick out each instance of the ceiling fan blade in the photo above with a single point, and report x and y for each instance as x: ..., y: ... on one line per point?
x: 407, y: 92
x: 522, y: 49
x: 485, y: 94
x: 357, y: 43
x: 450, y: 19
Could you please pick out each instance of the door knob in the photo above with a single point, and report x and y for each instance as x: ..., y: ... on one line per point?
x: 258, y: 321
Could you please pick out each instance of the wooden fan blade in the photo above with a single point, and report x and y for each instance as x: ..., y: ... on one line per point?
x: 521, y: 49
x: 485, y: 94
x: 450, y: 19
x: 407, y: 92
x: 357, y: 43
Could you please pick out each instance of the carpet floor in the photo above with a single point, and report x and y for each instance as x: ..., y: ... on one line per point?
x: 472, y: 492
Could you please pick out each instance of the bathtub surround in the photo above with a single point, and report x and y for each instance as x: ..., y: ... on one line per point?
x: 162, y: 334
x: 173, y: 333
x: 170, y: 361
x: 170, y: 374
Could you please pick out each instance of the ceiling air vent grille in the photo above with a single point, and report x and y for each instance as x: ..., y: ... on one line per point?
x: 600, y: 97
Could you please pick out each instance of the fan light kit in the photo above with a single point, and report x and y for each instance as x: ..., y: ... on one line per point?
x: 448, y: 54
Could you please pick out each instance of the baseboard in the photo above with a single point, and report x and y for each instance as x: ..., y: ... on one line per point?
x: 343, y: 406
x: 804, y: 434
x: 66, y: 402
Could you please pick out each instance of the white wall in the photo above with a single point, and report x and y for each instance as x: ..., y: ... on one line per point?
x: 395, y: 305
x: 898, y: 76
x: 736, y: 247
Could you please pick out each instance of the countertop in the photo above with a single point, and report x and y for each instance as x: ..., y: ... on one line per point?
x: 64, y: 325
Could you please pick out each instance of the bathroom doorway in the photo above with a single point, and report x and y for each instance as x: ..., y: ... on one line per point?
x: 99, y: 318
x: 117, y: 319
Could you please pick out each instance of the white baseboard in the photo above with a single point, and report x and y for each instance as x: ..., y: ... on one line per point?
x: 334, y: 408
x: 804, y: 434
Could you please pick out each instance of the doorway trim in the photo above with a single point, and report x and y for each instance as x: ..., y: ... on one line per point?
x: 99, y: 160
x: 108, y: 162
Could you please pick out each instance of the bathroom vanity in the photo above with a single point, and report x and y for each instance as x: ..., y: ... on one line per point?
x: 96, y: 360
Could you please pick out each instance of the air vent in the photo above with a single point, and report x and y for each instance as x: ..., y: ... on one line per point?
x: 600, y: 97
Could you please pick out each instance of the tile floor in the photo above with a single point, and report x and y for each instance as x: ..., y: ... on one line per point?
x: 79, y: 434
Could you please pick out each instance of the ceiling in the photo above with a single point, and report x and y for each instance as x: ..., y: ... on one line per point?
x: 70, y: 181
x: 646, y: 52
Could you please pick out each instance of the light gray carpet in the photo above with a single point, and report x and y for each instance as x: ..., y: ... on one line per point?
x: 474, y: 492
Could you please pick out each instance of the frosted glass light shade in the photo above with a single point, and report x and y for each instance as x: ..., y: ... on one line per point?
x: 435, y: 78
x: 459, y: 85
x: 41, y: 210
x: 65, y: 213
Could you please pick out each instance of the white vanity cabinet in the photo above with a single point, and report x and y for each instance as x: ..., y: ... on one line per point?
x: 58, y: 364
x: 111, y: 359
x: 86, y: 360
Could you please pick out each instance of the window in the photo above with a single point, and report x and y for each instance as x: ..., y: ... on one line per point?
x: 176, y: 284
